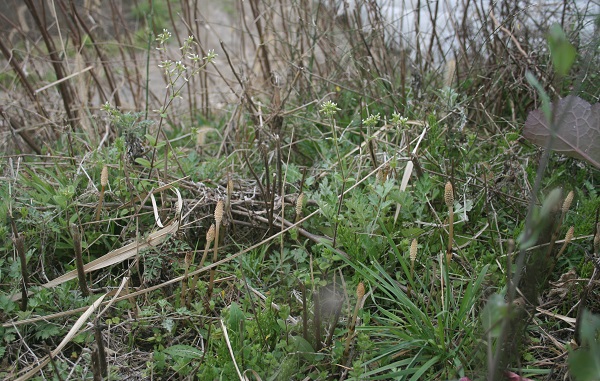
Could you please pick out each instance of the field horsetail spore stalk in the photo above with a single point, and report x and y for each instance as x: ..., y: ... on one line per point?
x: 449, y: 200
x: 103, y: 184
x: 210, y: 237
x: 413, y: 257
x: 219, y: 210
x: 360, y: 293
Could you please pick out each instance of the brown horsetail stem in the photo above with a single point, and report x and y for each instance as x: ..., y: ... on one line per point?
x: 413, y: 256
x: 79, y: 260
x: 413, y: 251
x: 210, y: 236
x: 299, y: 205
x: 186, y: 265
x: 218, y: 219
x: 103, y: 184
x: 449, y: 200
x: 568, y: 238
x: 360, y: 293
x: 567, y: 203
x: 227, y: 205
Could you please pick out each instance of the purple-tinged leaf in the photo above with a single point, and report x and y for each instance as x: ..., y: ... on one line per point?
x: 577, y: 132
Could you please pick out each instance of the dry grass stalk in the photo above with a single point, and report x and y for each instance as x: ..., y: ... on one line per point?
x: 597, y: 240
x: 20, y: 248
x: 228, y: 342
x: 449, y: 74
x: 70, y: 335
x: 227, y: 206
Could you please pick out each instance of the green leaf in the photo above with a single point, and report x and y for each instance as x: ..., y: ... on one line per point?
x: 46, y: 331
x: 143, y: 162
x: 584, y: 365
x: 236, y: 315
x: 562, y: 52
x: 494, y: 311
x: 546, y: 110
x: 183, y: 352
x: 302, y: 346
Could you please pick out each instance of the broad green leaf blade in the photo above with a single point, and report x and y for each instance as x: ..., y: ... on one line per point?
x: 562, y: 52
x: 184, y: 352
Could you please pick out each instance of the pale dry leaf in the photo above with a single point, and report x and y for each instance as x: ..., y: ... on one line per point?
x: 577, y: 130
